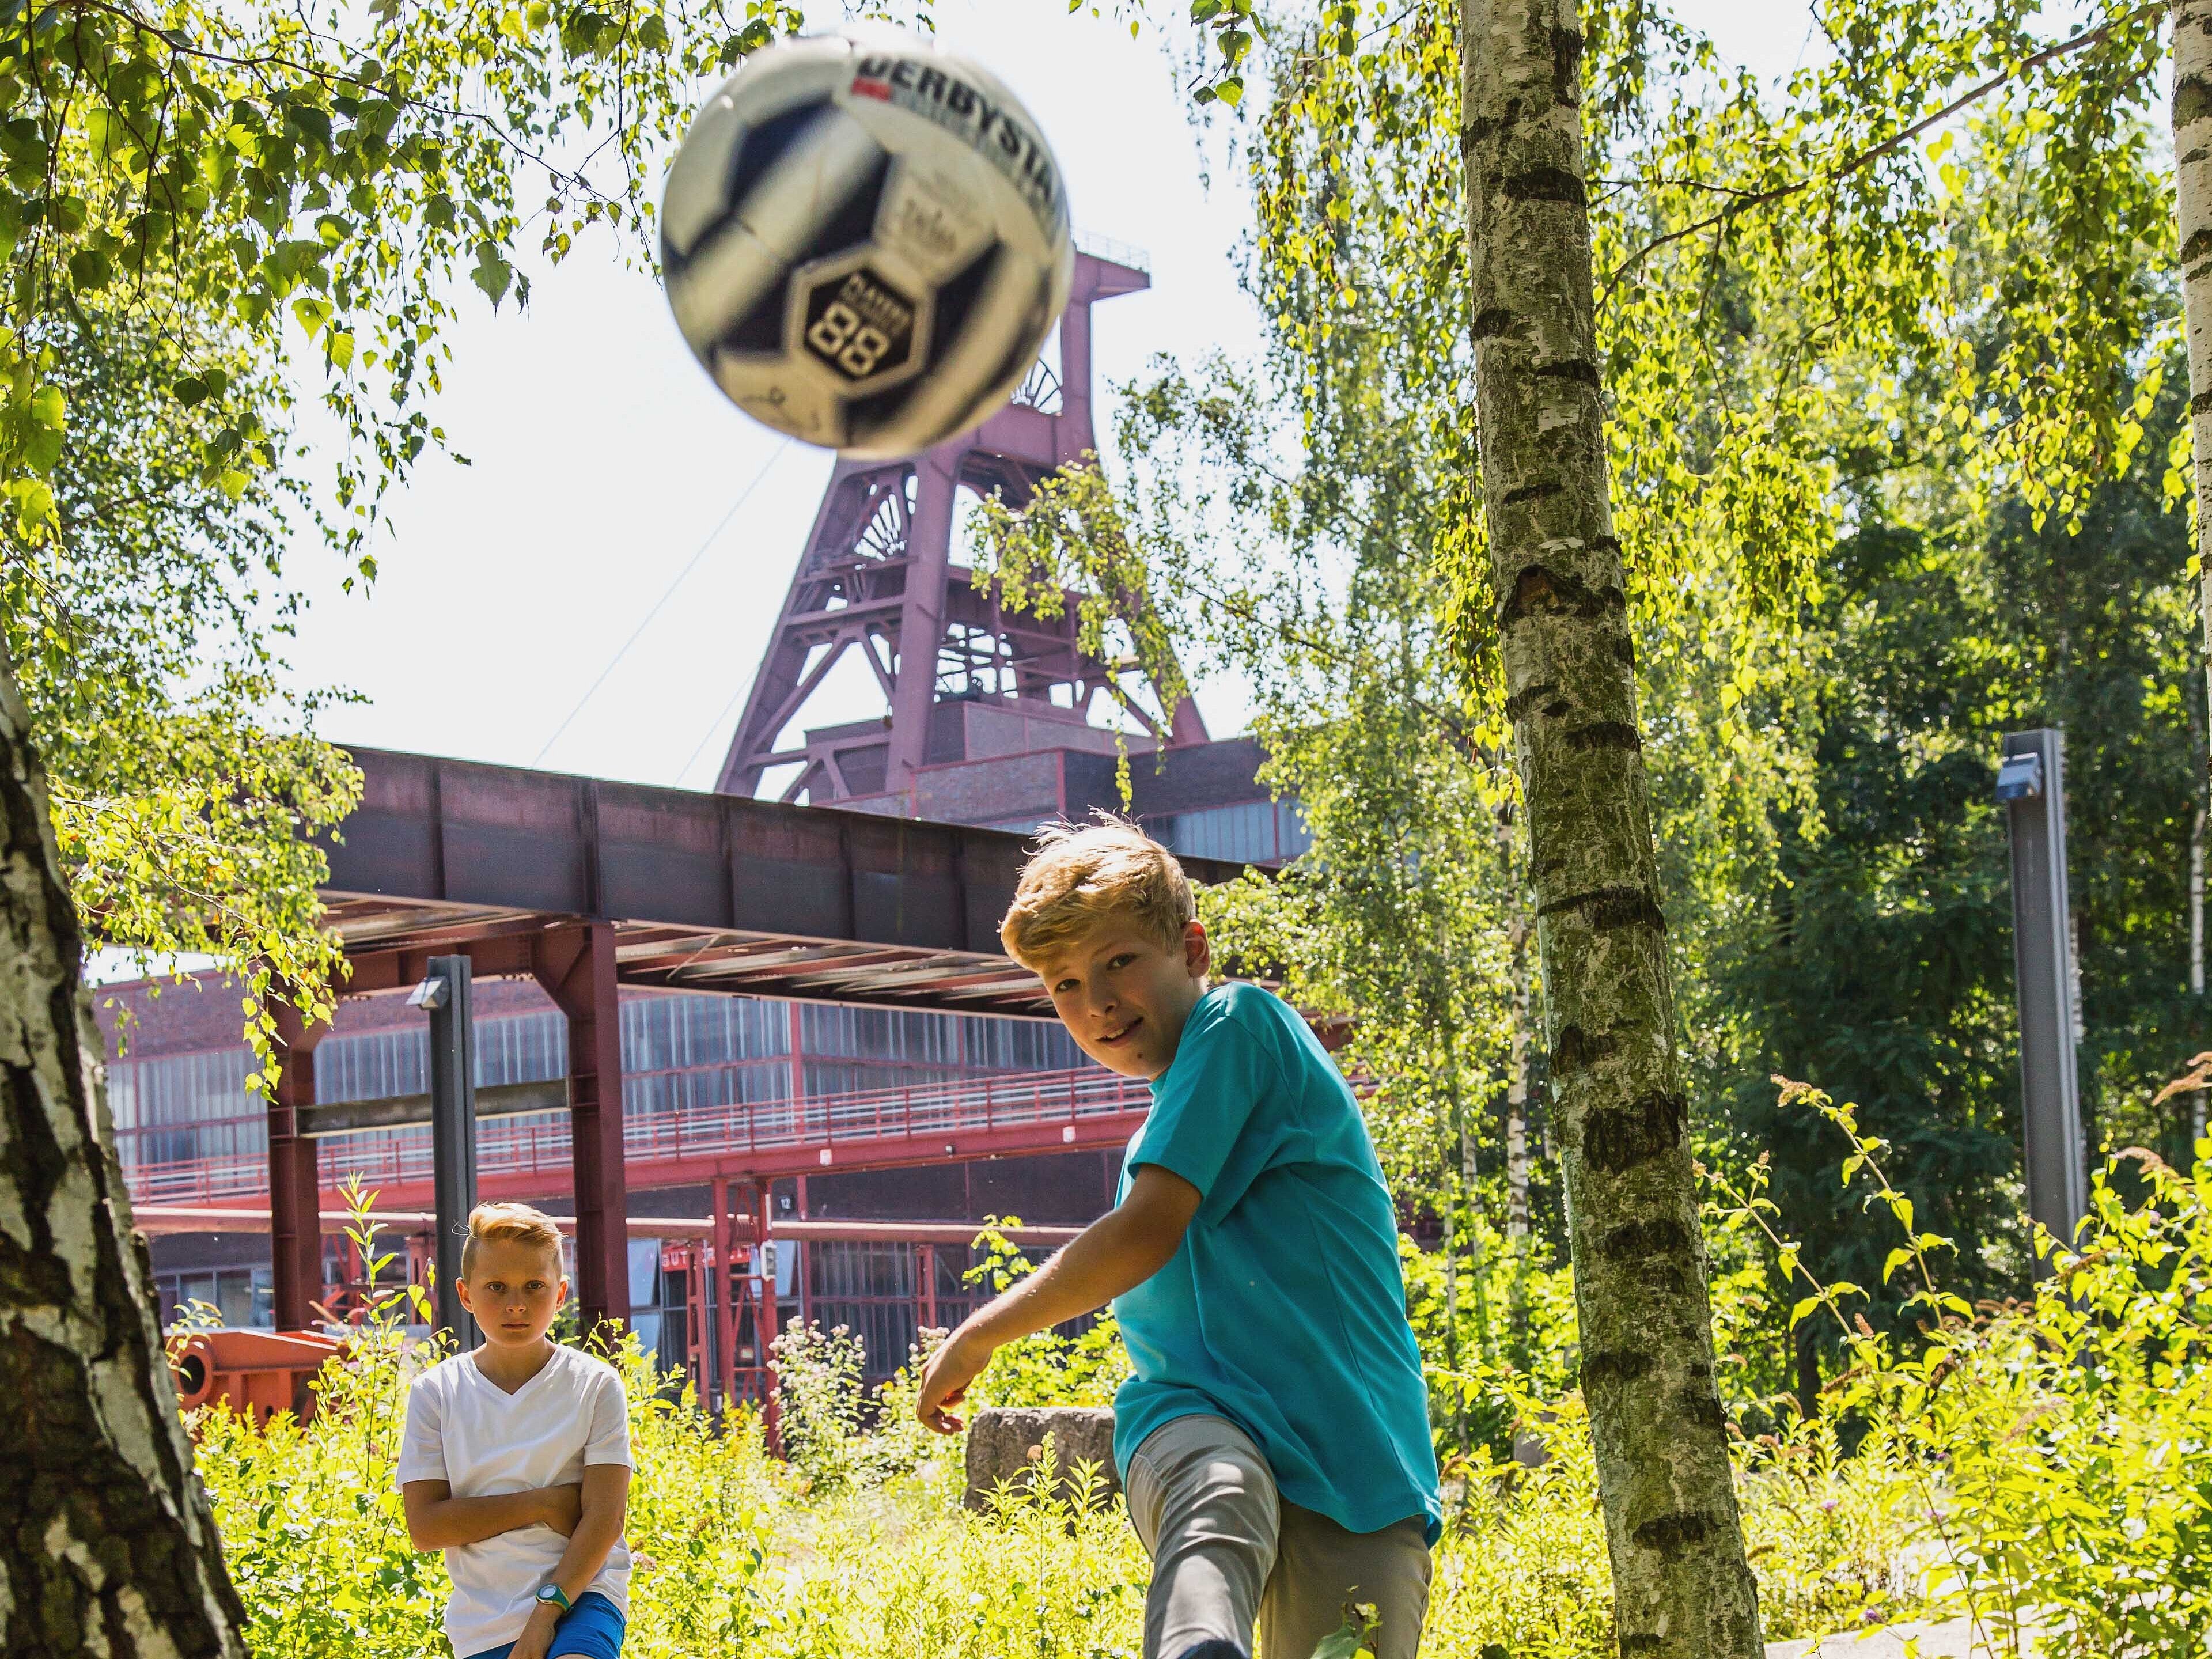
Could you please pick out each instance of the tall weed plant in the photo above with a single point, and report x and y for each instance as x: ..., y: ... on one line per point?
x: 2039, y: 1466
x: 2046, y: 1464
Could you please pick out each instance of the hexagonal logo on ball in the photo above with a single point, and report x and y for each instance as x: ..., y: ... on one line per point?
x: 865, y: 330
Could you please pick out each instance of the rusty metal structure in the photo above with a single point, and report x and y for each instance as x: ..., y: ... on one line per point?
x: 582, y: 887
x: 602, y: 903
x: 962, y: 677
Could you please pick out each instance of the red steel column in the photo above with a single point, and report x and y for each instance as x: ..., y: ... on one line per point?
x: 765, y: 1322
x: 295, y: 1226
x: 797, y: 1061
x: 803, y: 1268
x: 921, y: 616
x: 726, y: 1313
x: 576, y: 966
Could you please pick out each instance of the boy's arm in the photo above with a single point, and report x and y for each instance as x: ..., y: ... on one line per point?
x: 607, y: 1502
x: 437, y: 1520
x: 1118, y: 1252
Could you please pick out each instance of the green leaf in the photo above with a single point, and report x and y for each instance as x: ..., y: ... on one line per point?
x: 90, y: 270
x: 312, y: 313
x: 310, y: 120
x: 492, y: 273
x: 34, y: 507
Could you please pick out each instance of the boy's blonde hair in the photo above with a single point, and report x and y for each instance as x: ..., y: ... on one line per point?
x: 509, y: 1224
x: 1082, y: 874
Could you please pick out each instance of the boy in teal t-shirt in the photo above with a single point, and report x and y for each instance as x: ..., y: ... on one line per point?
x: 1273, y: 1441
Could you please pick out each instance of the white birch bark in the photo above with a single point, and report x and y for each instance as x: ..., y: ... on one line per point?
x: 107, y: 1544
x: 1682, y: 1588
x: 2192, y: 155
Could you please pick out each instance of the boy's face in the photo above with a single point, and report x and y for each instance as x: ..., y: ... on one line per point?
x: 514, y: 1290
x: 1124, y: 997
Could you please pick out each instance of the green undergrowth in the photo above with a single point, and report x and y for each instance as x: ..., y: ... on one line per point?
x: 2045, y: 1464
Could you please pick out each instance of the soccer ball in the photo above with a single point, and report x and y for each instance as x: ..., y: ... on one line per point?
x: 865, y: 241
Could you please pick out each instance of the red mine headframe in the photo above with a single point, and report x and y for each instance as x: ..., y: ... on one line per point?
x: 877, y: 575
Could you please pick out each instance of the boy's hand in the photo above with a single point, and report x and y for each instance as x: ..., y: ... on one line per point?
x: 536, y: 1635
x: 564, y: 1508
x: 959, y: 1359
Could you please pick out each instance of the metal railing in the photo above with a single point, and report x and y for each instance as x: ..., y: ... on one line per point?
x: 962, y: 1107
x: 1113, y: 252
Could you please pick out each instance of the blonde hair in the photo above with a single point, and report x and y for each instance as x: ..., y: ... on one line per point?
x: 509, y: 1224
x: 1082, y: 875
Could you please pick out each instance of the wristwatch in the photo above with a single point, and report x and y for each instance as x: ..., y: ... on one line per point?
x: 556, y: 1595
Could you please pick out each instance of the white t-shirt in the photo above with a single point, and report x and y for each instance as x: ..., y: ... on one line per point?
x: 465, y: 1429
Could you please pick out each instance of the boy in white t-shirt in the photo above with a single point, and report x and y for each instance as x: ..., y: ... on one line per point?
x: 516, y: 1461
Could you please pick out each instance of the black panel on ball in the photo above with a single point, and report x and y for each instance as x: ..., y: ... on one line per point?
x: 867, y: 416
x: 764, y: 146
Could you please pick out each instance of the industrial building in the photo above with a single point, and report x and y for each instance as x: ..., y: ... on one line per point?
x: 817, y: 1042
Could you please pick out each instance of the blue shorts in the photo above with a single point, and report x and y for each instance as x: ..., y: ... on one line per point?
x: 593, y: 1628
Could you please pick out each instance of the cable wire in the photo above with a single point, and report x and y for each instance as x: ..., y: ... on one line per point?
x: 668, y: 593
x: 710, y: 737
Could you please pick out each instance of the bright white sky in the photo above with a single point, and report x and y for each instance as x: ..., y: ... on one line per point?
x: 603, y: 457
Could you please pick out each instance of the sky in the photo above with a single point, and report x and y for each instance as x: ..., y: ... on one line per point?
x: 602, y: 459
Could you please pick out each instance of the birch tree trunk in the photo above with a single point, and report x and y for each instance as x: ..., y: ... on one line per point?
x: 1683, y: 1589
x: 2192, y: 155
x: 107, y: 1544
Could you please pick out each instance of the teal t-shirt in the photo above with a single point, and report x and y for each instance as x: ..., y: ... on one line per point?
x: 1284, y: 1309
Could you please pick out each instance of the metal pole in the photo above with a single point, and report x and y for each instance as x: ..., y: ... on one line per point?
x: 2032, y: 784
x: 445, y: 995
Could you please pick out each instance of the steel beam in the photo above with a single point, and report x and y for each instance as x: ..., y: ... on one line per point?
x: 445, y: 994
x: 498, y: 1100
x: 576, y: 966
x: 765, y: 1321
x: 1107, y: 1132
x: 446, y: 855
x: 722, y: 1280
x: 294, y: 1191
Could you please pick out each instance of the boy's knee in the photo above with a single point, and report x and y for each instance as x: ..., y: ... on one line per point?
x: 1201, y: 1479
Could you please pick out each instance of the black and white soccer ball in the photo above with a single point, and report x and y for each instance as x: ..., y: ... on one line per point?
x: 865, y: 241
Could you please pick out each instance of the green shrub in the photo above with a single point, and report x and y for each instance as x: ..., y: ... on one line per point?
x: 2045, y: 1464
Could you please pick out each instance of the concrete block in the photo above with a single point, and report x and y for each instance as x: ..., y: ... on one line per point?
x: 1006, y: 1443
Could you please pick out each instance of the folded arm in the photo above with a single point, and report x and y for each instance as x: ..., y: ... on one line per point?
x: 604, y: 1504
x: 1116, y: 1253
x: 437, y: 1520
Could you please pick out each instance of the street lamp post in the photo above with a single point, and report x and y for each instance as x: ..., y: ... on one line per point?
x: 445, y: 996
x: 2032, y: 784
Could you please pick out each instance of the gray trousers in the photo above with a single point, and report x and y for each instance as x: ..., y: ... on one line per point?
x: 1228, y: 1553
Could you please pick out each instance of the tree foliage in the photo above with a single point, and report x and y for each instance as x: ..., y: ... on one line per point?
x: 209, y: 215
x: 1877, y: 342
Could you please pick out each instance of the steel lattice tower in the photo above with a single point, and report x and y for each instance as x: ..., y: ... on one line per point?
x: 877, y: 576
